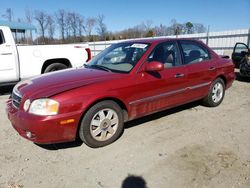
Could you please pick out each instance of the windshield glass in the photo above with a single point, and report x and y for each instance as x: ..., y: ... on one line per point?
x: 121, y: 57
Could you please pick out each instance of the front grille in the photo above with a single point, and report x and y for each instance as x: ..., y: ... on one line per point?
x: 16, y: 99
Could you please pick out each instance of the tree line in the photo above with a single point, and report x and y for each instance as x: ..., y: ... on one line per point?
x: 67, y: 26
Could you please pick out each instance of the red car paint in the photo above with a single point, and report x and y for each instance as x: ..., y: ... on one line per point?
x: 138, y: 93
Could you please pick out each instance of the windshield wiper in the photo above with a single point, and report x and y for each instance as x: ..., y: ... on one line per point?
x: 100, y: 67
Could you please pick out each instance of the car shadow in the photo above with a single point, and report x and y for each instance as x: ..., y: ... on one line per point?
x: 60, y: 146
x: 241, y: 78
x: 6, y: 90
x: 127, y: 125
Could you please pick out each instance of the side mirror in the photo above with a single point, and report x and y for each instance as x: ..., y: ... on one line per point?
x: 154, y: 66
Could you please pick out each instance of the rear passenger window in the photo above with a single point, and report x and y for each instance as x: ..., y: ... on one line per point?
x: 1, y: 37
x: 193, y: 52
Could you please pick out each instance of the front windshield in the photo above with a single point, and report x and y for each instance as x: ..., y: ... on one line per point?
x: 121, y: 57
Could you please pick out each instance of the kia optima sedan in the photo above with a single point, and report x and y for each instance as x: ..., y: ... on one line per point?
x: 126, y: 81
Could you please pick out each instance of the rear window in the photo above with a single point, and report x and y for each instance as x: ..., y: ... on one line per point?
x: 1, y: 37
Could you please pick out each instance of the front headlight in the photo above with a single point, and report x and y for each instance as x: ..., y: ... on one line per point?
x: 44, y: 107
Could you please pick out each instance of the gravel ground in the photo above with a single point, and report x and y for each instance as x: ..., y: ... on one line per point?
x: 189, y: 146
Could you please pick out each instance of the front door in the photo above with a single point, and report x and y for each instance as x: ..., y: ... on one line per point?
x: 155, y: 91
x: 8, y: 70
x: 238, y: 53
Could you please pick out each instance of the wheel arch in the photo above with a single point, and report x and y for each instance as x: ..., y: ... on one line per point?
x: 48, y: 62
x: 223, y: 78
x: 116, y: 100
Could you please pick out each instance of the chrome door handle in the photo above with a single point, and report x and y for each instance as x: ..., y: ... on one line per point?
x: 211, y: 68
x: 179, y: 75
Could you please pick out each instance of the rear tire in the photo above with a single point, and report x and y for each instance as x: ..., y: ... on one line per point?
x: 216, y: 93
x: 102, y: 124
x: 55, y: 67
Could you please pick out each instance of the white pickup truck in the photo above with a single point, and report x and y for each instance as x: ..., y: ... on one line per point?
x: 18, y: 62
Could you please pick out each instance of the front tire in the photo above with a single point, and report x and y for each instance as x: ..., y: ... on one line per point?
x: 102, y: 124
x: 55, y: 67
x: 216, y: 93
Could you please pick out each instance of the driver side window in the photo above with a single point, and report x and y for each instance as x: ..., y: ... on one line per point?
x: 166, y: 53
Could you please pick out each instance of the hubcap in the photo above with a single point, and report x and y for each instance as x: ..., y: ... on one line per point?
x: 104, y: 124
x: 217, y: 92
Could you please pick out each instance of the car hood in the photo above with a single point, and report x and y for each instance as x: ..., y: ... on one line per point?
x: 57, y: 82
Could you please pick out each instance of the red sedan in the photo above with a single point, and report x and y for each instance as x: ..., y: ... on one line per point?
x: 126, y: 81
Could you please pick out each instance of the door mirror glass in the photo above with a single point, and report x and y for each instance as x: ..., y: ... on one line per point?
x: 154, y: 66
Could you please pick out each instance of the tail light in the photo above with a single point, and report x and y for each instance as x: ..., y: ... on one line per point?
x: 88, y: 53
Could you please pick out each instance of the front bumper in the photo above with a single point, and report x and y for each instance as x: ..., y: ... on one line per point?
x: 43, y: 129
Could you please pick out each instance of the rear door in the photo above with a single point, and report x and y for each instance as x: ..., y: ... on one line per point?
x: 201, y: 68
x: 8, y: 71
x: 238, y: 53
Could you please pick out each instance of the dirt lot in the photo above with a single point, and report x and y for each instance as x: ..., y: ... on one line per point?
x: 190, y: 146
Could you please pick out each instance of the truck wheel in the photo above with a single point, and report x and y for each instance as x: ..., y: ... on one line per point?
x: 102, y: 124
x: 216, y: 93
x: 55, y: 67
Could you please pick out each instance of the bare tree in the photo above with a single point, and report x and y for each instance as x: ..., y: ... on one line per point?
x: 29, y: 19
x: 101, y: 27
x: 42, y: 18
x: 8, y: 15
x: 160, y: 30
x: 51, y: 27
x: 89, y: 26
x: 72, y: 23
x: 61, y: 21
x: 67, y: 26
x: 199, y: 28
x: 176, y: 28
x: 147, y: 25
x: 134, y: 32
x: 80, y: 23
x: 28, y: 15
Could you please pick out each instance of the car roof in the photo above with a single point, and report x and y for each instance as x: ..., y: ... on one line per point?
x: 157, y: 40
